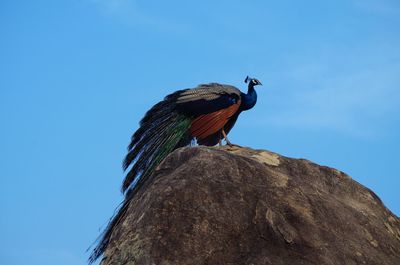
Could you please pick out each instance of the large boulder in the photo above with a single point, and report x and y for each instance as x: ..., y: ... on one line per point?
x: 242, y: 206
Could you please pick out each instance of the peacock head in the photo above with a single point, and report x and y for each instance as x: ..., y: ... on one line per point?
x: 252, y: 81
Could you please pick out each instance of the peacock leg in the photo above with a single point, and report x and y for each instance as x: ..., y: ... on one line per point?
x: 226, y: 138
x: 220, y: 138
x: 227, y: 141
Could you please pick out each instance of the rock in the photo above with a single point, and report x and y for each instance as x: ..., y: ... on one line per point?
x: 242, y: 206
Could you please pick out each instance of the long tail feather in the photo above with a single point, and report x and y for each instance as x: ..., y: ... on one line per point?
x: 162, y: 130
x: 157, y: 113
x: 148, y: 157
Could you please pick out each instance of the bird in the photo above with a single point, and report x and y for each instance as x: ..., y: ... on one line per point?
x: 204, y: 114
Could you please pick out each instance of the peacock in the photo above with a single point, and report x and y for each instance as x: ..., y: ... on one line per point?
x: 205, y: 114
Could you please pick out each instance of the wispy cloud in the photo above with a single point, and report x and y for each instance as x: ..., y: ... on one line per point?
x: 354, y: 103
x: 360, y: 101
x: 384, y: 7
x: 44, y: 256
x: 132, y: 14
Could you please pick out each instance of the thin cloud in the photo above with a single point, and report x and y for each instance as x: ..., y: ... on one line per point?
x: 384, y: 7
x: 45, y: 256
x: 130, y: 13
x: 355, y: 104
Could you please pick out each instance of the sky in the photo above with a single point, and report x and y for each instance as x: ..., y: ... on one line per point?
x: 76, y: 76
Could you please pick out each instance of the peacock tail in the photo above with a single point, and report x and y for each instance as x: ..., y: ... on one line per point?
x: 162, y: 130
x: 161, y: 138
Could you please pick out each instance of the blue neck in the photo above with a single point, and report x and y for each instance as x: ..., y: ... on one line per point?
x: 249, y: 99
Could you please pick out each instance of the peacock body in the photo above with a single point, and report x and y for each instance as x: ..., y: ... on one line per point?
x: 206, y: 114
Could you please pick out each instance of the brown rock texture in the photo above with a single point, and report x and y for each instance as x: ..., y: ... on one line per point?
x: 241, y: 206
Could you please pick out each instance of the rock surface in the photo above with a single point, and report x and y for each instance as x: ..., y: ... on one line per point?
x: 242, y: 206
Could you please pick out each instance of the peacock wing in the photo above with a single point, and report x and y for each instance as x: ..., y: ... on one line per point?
x: 210, y: 106
x: 215, y: 138
x: 207, y: 98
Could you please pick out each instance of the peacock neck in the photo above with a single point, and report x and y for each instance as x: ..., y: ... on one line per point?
x: 249, y: 99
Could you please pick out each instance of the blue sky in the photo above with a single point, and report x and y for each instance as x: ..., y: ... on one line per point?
x: 76, y: 76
